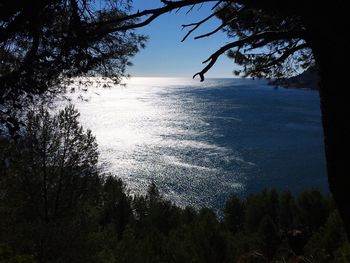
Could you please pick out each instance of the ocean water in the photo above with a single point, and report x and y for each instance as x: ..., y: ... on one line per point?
x: 202, y: 142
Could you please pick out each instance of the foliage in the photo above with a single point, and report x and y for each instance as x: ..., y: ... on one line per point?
x: 45, y: 43
x: 269, y: 39
x: 276, y: 45
x: 56, y: 207
x: 7, y: 256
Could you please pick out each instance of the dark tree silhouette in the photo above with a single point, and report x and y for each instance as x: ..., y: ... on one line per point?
x: 44, y: 42
x: 277, y: 38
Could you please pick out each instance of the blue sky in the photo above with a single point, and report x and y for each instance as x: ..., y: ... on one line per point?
x: 166, y: 56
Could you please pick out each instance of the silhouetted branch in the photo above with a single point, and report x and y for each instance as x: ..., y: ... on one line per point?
x: 198, y: 24
x: 217, y: 4
x: 268, y: 35
x: 14, y: 25
x: 288, y: 52
x: 195, y: 26
x: 224, y: 23
x: 190, y: 9
x: 152, y: 13
x: 214, y: 31
x: 257, y: 39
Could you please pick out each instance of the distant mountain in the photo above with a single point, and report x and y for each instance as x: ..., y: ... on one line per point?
x: 308, y: 80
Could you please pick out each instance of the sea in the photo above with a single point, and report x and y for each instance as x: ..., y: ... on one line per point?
x: 202, y: 142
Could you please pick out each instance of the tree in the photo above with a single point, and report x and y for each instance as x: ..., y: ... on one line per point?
x: 49, y: 180
x: 287, y: 211
x: 274, y: 38
x: 43, y: 43
x: 116, y: 206
x: 313, y: 209
x: 233, y: 214
x: 268, y: 235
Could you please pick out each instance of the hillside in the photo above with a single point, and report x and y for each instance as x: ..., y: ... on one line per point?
x: 308, y: 79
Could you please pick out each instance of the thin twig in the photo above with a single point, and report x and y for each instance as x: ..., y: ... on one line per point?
x: 198, y: 24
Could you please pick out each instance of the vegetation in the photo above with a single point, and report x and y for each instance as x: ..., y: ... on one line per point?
x: 306, y: 80
x: 280, y: 38
x: 56, y: 207
x: 43, y: 43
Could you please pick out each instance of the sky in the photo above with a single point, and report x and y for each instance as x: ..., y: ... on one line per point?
x: 166, y: 56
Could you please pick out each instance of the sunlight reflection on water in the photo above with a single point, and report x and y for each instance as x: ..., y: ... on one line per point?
x: 149, y: 131
x: 201, y: 142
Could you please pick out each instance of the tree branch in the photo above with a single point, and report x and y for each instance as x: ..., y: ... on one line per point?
x: 288, y: 52
x: 224, y: 23
x: 198, y: 24
x: 190, y: 9
x: 152, y: 13
x: 271, y: 35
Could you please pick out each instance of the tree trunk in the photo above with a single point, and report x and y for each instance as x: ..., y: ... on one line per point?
x: 335, y: 107
x: 327, y: 38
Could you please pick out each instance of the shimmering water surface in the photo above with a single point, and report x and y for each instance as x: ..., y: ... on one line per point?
x: 201, y: 142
